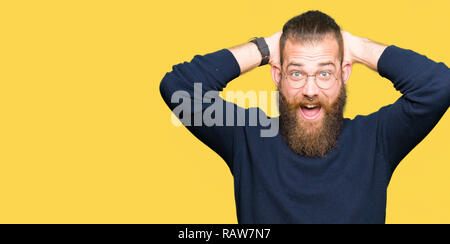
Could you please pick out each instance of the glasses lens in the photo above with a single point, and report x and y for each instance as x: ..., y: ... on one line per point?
x: 296, y: 83
x: 325, y: 83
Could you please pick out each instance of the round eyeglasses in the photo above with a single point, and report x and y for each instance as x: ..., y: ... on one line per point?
x: 323, y: 79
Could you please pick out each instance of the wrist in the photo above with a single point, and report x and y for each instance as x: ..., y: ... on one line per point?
x: 273, y: 42
x: 270, y: 45
x: 361, y: 50
x: 368, y: 52
x: 357, y: 49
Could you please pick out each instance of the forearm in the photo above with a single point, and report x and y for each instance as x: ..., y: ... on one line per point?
x: 215, y: 70
x: 410, y: 72
x: 370, y: 53
x: 249, y: 57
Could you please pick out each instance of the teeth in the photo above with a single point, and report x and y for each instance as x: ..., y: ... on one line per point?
x: 311, y: 106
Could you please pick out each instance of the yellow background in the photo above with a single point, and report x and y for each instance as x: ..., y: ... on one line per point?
x: 86, y: 138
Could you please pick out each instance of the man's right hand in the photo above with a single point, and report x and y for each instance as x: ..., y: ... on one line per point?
x: 273, y: 42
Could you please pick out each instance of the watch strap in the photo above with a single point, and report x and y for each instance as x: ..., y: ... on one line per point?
x: 263, y: 49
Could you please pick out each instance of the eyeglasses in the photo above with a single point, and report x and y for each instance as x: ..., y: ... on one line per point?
x: 323, y: 79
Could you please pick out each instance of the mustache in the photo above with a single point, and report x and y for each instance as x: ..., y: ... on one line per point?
x: 305, y: 101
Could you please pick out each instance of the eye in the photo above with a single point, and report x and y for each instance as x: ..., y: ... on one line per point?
x: 324, y: 74
x: 296, y: 74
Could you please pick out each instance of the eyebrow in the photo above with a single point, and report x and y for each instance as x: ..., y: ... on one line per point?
x: 320, y: 64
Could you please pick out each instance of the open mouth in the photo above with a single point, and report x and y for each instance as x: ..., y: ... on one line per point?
x: 310, y: 112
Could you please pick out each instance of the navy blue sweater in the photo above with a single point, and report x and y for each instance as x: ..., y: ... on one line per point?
x: 275, y: 185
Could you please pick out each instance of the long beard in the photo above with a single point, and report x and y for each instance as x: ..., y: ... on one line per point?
x: 311, y: 139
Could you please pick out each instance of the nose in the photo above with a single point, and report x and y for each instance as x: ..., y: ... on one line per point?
x: 310, y: 89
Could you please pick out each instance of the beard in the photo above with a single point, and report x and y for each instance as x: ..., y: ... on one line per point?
x: 312, y: 139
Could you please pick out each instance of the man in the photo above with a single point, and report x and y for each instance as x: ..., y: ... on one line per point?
x: 320, y: 167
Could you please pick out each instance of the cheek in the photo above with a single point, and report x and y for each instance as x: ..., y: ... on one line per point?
x: 293, y: 93
x: 331, y: 95
x: 289, y: 92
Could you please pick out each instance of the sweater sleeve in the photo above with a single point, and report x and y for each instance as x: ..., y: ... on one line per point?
x: 425, y: 88
x: 191, y: 91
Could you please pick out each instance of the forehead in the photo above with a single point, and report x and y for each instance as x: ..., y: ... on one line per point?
x: 311, y: 53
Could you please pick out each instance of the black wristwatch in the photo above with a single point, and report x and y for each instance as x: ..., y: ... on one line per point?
x: 263, y: 49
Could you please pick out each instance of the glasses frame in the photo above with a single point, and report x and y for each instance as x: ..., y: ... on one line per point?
x: 290, y: 81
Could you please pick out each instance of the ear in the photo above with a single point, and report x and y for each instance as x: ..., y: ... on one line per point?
x: 276, y: 74
x: 346, y: 71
